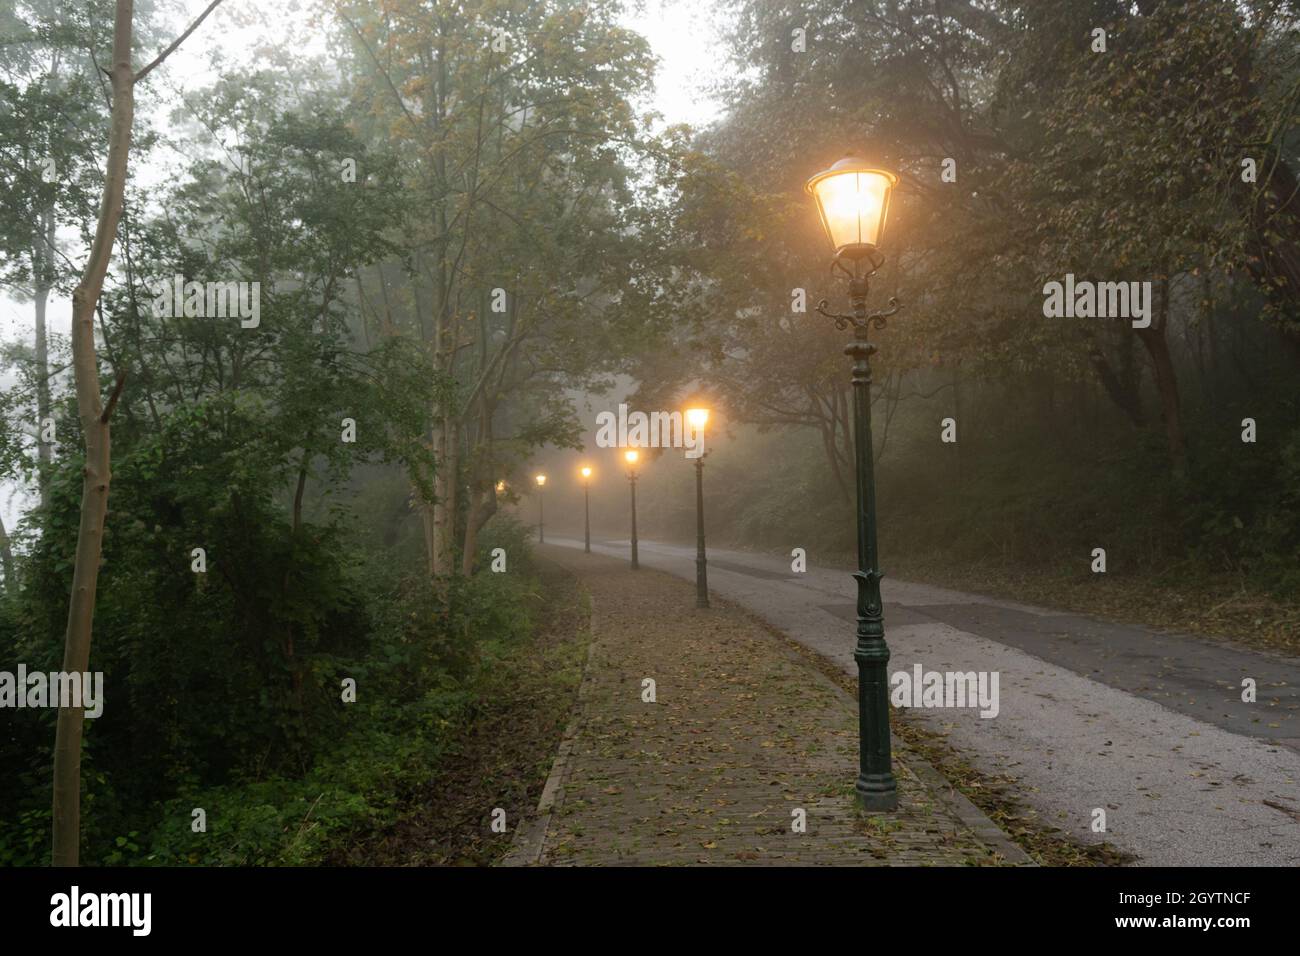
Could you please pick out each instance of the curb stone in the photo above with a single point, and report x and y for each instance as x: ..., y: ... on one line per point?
x: 530, y: 836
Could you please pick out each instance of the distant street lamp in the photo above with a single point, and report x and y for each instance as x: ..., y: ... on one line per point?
x: 541, y: 510
x: 631, y: 457
x: 586, y: 509
x: 853, y: 201
x: 696, y: 418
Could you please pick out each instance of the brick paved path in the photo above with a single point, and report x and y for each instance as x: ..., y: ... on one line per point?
x: 742, y: 733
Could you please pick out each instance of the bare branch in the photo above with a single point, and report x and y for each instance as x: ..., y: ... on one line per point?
x: 177, y: 42
x: 112, y: 399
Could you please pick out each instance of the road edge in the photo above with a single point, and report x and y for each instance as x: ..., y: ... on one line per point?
x: 529, y: 839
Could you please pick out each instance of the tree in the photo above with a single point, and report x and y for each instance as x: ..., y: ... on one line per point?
x: 95, y: 416
x: 1117, y: 166
x: 54, y: 99
x: 517, y: 124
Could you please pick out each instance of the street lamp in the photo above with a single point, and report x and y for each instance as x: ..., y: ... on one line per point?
x: 853, y: 201
x: 586, y: 509
x: 631, y: 456
x: 541, y: 510
x: 696, y: 418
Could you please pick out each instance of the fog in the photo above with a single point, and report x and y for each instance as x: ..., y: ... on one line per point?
x: 998, y: 300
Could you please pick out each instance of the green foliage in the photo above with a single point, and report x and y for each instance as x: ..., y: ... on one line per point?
x: 223, y: 684
x: 1073, y: 433
x: 418, y: 687
x: 201, y: 716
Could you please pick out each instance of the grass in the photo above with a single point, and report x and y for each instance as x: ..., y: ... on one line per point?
x: 1208, y: 607
x: 501, y: 757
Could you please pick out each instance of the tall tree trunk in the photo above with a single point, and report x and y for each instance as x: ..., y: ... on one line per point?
x: 1122, y: 385
x: 832, y: 457
x: 429, y: 512
x: 958, y: 415
x: 1156, y: 341
x: 298, y: 491
x: 6, y: 558
x: 481, y: 483
x: 94, y: 425
x: 95, y: 428
x: 441, y: 529
x: 446, y: 451
x: 1211, y: 343
x: 40, y: 296
x: 426, y: 524
x: 482, y: 506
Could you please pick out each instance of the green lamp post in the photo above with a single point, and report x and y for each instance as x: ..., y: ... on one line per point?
x: 541, y: 510
x: 697, y: 418
x: 853, y: 201
x: 631, y: 456
x: 586, y: 509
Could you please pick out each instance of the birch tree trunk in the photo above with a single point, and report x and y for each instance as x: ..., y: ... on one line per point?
x: 43, y: 268
x: 94, y: 424
x: 7, y: 558
x: 482, y: 506
x: 446, y: 451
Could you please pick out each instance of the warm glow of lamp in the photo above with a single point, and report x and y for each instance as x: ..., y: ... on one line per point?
x: 541, y: 480
x: 697, y: 417
x: 853, y: 200
x: 631, y: 456
x: 586, y: 472
x: 501, y: 486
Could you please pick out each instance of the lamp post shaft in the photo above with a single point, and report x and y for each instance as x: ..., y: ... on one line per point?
x: 541, y: 516
x: 876, y: 788
x: 701, y: 562
x: 632, y: 480
x: 586, y: 516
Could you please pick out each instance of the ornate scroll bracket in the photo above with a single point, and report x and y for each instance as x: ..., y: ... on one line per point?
x: 859, y: 273
x: 860, y: 319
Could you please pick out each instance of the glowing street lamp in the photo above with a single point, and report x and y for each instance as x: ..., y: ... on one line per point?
x: 697, y: 418
x: 853, y: 201
x: 586, y: 509
x: 631, y: 456
x: 541, y: 510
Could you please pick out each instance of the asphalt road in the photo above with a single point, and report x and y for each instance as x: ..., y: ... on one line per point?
x: 1148, y: 726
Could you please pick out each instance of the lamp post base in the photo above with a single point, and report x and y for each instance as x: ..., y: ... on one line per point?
x: 877, y: 793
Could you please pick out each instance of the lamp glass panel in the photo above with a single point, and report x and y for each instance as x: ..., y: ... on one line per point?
x: 852, y: 206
